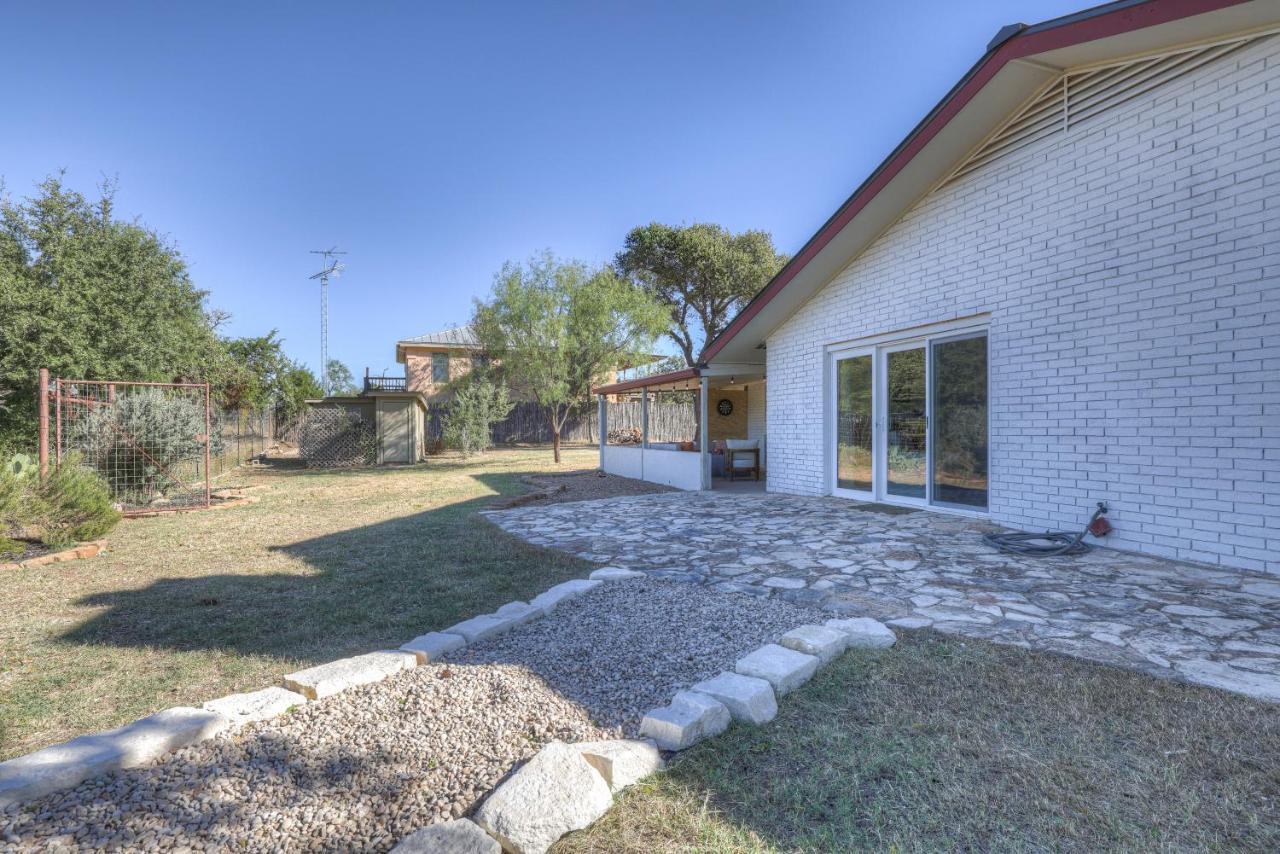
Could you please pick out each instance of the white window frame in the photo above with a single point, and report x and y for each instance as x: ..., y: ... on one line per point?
x: 833, y: 427
x: 878, y: 346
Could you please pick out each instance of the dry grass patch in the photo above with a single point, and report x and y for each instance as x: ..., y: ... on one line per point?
x: 943, y: 744
x: 182, y: 609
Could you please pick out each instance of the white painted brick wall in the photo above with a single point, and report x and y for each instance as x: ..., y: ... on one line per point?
x: 1131, y: 268
x: 757, y: 426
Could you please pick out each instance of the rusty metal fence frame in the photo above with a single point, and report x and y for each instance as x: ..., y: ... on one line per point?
x: 76, y: 402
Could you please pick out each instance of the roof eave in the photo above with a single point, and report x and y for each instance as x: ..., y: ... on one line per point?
x: 648, y: 382
x: 998, y: 72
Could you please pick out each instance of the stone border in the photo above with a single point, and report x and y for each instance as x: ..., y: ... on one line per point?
x: 68, y: 764
x: 84, y: 550
x: 748, y: 693
x: 562, y: 788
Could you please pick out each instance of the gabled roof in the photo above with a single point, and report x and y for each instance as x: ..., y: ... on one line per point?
x: 1018, y: 62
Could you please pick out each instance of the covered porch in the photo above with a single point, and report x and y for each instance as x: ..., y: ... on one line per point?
x: 721, y: 447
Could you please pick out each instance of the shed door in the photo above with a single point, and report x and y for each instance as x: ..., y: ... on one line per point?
x: 394, y: 431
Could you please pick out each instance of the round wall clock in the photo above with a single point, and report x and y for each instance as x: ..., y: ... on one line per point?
x: 725, y: 406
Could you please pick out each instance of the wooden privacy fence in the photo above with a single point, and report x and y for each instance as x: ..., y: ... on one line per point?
x: 528, y: 423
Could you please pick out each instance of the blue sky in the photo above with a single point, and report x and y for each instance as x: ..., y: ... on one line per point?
x: 435, y: 141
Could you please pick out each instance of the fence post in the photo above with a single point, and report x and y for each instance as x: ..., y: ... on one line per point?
x: 602, y: 410
x: 57, y: 422
x: 207, y: 439
x: 43, y: 398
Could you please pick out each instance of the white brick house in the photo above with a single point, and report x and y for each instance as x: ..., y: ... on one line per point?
x: 1063, y: 288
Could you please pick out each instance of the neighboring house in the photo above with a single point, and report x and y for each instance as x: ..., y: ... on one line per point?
x: 1063, y: 287
x: 432, y: 360
x: 397, y: 408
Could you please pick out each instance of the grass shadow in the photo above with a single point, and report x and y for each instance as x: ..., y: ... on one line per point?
x: 369, y: 586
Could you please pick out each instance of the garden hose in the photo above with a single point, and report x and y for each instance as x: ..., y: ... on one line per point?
x: 1052, y: 543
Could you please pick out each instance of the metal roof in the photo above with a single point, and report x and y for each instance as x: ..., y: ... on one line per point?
x: 455, y: 336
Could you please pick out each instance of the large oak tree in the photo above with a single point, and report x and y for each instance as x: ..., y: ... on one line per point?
x: 702, y: 273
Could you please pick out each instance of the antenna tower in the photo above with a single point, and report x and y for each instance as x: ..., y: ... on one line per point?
x: 332, y: 267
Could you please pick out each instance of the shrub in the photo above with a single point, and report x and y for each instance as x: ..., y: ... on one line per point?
x: 143, y: 438
x: 476, y: 407
x: 72, y: 505
x: 10, y: 548
x: 15, y: 478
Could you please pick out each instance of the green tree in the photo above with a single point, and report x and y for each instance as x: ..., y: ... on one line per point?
x: 553, y: 329
x: 295, y: 386
x: 90, y: 296
x: 476, y: 406
x: 338, y: 379
x: 247, y: 371
x: 703, y: 273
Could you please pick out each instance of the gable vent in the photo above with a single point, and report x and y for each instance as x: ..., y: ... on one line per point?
x: 1079, y: 95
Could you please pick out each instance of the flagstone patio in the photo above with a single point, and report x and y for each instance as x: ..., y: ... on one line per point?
x: 916, y: 569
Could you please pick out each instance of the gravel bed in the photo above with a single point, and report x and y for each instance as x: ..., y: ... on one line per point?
x: 355, y: 772
x: 628, y: 646
x: 361, y: 770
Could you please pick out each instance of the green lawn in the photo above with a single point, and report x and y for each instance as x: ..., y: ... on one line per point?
x: 941, y: 744
x: 937, y: 744
x: 182, y: 609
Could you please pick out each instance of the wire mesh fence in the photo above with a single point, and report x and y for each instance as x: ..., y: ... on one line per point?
x: 241, y: 436
x: 151, y: 442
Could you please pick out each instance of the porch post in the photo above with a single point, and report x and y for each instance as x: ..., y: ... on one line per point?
x: 704, y: 451
x: 644, y: 418
x: 602, y: 418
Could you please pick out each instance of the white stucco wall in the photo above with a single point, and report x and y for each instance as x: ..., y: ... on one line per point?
x: 679, y: 469
x: 622, y: 460
x: 1131, y: 269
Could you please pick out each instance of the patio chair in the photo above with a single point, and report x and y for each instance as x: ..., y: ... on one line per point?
x: 742, y: 456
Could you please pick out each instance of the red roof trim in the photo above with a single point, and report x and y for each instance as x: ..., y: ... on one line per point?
x: 1028, y: 42
x: 646, y: 382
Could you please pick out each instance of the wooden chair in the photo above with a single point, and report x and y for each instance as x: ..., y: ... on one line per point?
x: 742, y: 456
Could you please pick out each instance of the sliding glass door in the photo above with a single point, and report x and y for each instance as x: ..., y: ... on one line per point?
x: 910, y: 421
x: 959, y: 383
x: 906, y: 419
x: 854, y: 432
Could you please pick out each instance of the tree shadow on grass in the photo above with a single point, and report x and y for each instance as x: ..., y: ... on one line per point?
x: 372, y: 586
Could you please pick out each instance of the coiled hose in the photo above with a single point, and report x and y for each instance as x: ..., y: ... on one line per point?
x: 1048, y: 544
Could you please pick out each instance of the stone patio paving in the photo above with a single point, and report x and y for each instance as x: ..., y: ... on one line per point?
x: 916, y: 569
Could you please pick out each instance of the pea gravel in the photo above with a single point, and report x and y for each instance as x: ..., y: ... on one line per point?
x: 628, y: 646
x: 354, y: 772
x: 361, y: 770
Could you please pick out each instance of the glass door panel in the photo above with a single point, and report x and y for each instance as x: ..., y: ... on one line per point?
x: 906, y: 423
x: 854, y: 415
x: 960, y: 421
